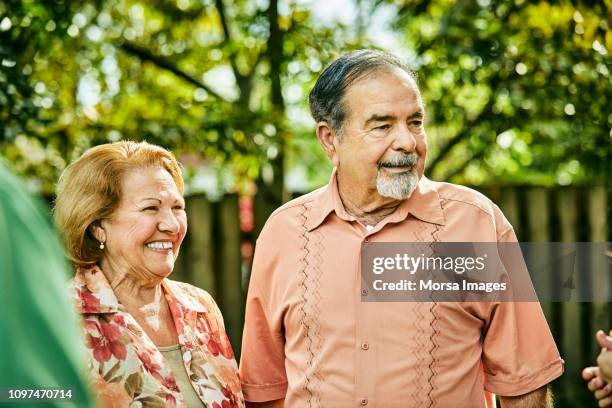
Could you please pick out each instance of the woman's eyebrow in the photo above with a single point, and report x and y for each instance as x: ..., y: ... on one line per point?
x: 150, y: 198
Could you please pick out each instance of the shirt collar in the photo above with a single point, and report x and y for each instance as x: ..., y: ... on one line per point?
x: 93, y: 293
x: 175, y: 293
x: 424, y: 204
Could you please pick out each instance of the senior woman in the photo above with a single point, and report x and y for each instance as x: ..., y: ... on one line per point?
x: 151, y: 340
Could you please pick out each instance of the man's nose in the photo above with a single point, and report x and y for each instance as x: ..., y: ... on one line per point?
x: 404, y: 140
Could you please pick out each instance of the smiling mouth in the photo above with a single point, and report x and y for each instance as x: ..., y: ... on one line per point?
x: 161, y: 246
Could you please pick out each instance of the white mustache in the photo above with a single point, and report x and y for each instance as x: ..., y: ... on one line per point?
x: 405, y: 160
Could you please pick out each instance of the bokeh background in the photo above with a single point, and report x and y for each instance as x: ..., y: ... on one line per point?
x: 518, y: 98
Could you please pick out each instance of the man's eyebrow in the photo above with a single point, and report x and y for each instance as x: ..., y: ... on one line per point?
x: 379, y: 118
x: 417, y: 115
x: 384, y: 118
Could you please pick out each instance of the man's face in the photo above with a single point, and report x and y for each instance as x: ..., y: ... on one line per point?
x: 383, y: 145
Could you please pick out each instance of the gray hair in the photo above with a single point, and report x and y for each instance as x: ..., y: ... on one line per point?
x: 325, y: 99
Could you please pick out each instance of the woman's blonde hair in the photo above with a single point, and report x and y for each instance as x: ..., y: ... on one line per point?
x: 89, y: 190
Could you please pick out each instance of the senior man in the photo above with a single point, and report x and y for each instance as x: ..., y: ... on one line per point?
x: 309, y: 339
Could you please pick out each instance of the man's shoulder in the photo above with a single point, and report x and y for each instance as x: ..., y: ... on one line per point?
x: 293, y: 207
x: 461, y: 196
x: 291, y: 217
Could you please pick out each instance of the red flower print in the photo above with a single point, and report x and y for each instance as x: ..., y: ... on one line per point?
x: 107, y: 344
x: 89, y: 303
x: 177, y: 315
x: 170, y: 401
x: 219, y: 344
x: 170, y: 382
x: 119, y: 320
x: 150, y: 366
x: 225, y: 404
x: 230, y: 402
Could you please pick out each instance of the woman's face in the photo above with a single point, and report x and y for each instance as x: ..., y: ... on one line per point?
x: 144, y: 234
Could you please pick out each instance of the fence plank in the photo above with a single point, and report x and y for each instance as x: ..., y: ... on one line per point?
x: 568, y: 341
x: 201, y: 245
x: 509, y: 204
x: 600, y: 272
x: 538, y: 217
x: 231, y: 299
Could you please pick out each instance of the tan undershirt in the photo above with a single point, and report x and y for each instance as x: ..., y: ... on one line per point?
x: 172, y: 355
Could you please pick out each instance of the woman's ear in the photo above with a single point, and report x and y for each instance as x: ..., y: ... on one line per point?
x: 97, y: 231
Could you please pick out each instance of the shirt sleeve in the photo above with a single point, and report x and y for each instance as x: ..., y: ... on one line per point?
x: 519, y: 352
x: 262, y: 362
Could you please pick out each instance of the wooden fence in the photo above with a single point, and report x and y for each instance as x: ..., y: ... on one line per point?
x: 572, y: 214
x: 213, y: 257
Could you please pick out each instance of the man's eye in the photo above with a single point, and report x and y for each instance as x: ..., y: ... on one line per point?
x: 152, y: 208
x: 179, y: 207
x: 417, y: 123
x: 382, y: 127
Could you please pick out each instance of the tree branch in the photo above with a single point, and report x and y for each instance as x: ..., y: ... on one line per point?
x: 146, y: 55
x: 459, y: 169
x: 275, y: 55
x: 243, y: 81
x: 455, y: 140
x: 221, y: 10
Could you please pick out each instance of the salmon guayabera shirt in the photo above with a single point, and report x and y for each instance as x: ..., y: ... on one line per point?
x: 126, y: 366
x: 309, y: 339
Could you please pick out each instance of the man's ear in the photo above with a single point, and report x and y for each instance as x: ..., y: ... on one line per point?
x: 328, y: 140
x: 97, y: 231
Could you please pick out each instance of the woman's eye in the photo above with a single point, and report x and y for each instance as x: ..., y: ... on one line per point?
x: 179, y: 207
x: 152, y: 208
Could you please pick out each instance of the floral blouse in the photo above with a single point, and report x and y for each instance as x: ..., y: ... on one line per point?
x: 127, y: 369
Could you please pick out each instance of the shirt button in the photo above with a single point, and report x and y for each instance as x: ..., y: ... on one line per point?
x: 365, y: 345
x: 364, y: 292
x: 364, y: 401
x: 187, y: 356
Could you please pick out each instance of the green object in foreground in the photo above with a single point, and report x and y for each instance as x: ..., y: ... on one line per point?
x: 41, y: 345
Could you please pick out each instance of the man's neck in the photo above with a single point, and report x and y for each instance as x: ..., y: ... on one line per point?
x: 367, y: 210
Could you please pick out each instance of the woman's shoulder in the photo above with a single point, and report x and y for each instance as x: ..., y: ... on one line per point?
x: 196, y: 299
x: 192, y: 293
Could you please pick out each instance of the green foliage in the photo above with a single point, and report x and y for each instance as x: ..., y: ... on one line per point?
x: 196, y: 77
x: 515, y: 92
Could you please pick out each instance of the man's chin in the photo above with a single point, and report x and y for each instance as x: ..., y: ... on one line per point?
x: 398, y: 186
